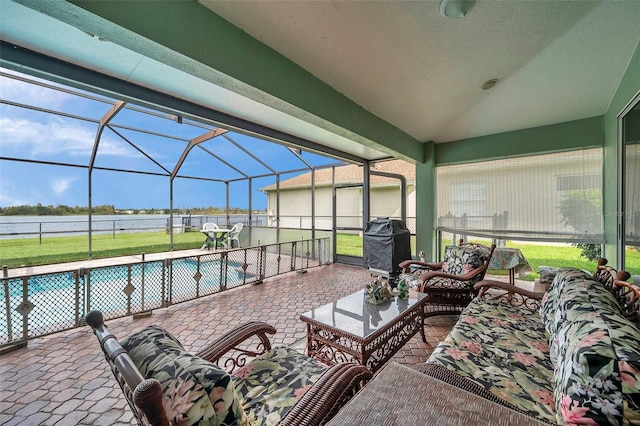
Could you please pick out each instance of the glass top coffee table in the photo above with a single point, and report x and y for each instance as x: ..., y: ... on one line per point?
x: 352, y: 330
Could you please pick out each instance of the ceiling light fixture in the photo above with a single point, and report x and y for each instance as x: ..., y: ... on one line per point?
x: 456, y: 9
x: 489, y: 84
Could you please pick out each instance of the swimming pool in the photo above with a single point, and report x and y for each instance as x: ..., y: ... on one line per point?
x: 58, y: 301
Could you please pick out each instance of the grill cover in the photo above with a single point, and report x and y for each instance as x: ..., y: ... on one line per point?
x: 386, y: 243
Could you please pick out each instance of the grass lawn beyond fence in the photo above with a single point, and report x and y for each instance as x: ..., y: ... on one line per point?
x: 30, y: 252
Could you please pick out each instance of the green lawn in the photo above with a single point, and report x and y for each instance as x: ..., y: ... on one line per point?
x: 29, y: 252
x: 537, y: 255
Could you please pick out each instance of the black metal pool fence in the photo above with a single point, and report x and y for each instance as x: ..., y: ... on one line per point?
x: 40, y: 304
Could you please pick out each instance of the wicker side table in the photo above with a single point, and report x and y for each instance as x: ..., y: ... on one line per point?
x: 400, y: 395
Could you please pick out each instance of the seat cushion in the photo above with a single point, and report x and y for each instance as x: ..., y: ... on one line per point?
x: 195, y: 392
x: 272, y: 383
x: 505, y: 350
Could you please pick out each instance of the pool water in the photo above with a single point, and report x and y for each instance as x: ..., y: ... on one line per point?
x: 56, y: 302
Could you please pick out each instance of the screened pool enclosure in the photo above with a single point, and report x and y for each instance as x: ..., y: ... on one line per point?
x: 129, y: 156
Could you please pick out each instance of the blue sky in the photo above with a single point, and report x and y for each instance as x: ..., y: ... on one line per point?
x: 39, y: 136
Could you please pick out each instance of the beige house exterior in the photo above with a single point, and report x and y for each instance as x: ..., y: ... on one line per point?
x: 295, y: 196
x: 529, y: 189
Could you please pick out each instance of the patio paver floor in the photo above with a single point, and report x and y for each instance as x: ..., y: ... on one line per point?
x: 62, y: 379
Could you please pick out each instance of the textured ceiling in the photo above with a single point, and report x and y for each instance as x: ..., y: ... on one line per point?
x: 401, y: 60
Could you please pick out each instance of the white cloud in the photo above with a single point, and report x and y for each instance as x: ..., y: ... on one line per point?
x: 57, y: 137
x: 59, y: 186
x: 32, y: 94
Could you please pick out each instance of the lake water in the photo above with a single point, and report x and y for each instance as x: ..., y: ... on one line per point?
x: 56, y: 226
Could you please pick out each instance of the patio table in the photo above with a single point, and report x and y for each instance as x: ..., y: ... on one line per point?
x: 351, y: 329
x: 511, y: 259
x: 212, y: 236
x: 400, y: 395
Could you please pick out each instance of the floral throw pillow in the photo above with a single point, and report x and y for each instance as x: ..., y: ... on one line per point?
x: 195, y: 392
x: 459, y: 260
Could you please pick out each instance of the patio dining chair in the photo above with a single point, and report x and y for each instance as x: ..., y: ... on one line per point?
x: 236, y: 379
x: 209, y: 229
x: 449, y: 284
x: 234, y: 234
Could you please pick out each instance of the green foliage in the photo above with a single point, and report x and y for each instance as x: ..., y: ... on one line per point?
x: 590, y: 252
x: 62, y: 210
x: 59, y: 210
x: 581, y: 210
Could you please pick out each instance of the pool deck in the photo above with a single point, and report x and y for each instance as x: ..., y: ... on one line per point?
x: 63, y: 379
x: 97, y: 263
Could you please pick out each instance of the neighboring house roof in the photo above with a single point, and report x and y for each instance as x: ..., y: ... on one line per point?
x: 350, y: 174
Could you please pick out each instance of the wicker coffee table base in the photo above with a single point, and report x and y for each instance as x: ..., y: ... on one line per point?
x: 333, y: 346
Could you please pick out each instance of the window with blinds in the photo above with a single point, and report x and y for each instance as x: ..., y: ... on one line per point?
x: 549, y: 197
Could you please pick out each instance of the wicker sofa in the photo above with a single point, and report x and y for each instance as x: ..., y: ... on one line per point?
x: 570, y: 355
x: 238, y: 379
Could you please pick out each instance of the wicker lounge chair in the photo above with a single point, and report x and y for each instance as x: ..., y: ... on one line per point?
x: 303, y: 391
x: 449, y: 284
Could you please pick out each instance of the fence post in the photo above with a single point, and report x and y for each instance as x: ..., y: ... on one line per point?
x: 77, y: 288
x: 165, y: 300
x: 198, y: 264
x: 224, y: 264
x: 128, y: 289
x: 292, y: 266
x: 142, y: 289
x: 26, y: 307
x: 8, y: 309
x: 86, y: 279
x: 262, y: 267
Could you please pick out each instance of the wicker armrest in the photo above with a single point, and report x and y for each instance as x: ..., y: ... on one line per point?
x: 406, y: 264
x: 509, y: 294
x: 461, y: 278
x: 483, y: 286
x: 332, y: 391
x: 233, y: 340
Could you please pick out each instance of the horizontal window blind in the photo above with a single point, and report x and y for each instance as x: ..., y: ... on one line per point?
x: 632, y: 193
x: 548, y: 197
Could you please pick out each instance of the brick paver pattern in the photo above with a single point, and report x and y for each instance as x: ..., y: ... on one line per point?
x: 63, y: 379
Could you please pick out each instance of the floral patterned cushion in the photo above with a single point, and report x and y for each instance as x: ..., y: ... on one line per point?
x: 549, y: 305
x: 195, y: 392
x: 504, y: 349
x: 597, y: 378
x: 459, y: 260
x: 574, y: 298
x: 272, y: 383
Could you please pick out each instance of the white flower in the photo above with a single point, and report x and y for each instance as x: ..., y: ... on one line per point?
x: 607, y: 407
